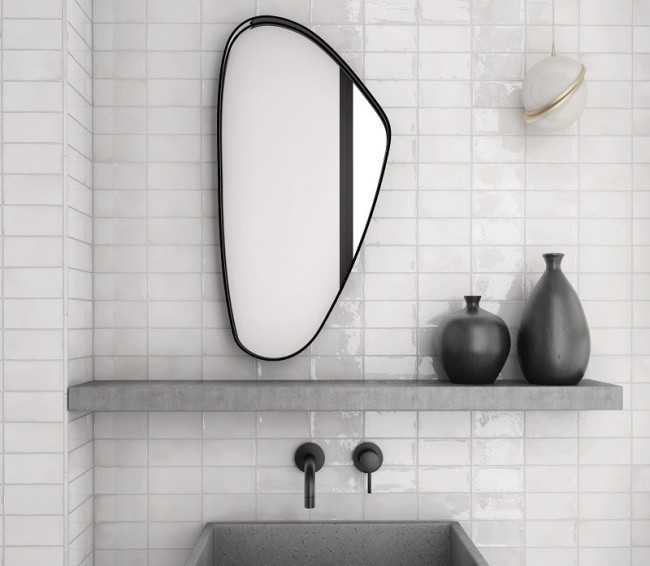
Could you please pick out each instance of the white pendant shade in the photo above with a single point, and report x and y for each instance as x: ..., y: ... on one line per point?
x: 554, y: 93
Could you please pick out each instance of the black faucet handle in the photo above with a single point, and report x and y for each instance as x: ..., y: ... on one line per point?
x: 369, y: 461
x: 368, y: 458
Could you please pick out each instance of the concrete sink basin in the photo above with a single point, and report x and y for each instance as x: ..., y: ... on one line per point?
x: 411, y: 543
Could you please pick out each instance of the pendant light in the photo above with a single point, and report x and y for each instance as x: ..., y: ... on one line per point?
x: 554, y: 91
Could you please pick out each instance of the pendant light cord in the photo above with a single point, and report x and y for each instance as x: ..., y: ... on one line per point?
x: 553, y: 28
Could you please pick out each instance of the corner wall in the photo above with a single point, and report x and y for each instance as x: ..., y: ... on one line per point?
x: 79, y: 270
x: 47, y: 283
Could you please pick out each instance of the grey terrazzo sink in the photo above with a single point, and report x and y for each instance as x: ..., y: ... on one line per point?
x: 369, y: 543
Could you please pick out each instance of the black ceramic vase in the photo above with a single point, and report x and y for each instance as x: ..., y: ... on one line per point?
x: 474, y: 344
x: 553, y: 343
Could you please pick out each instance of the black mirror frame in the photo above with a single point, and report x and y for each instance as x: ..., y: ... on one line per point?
x: 302, y: 30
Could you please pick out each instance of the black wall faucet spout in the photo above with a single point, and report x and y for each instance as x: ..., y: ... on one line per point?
x: 310, y: 482
x: 309, y: 459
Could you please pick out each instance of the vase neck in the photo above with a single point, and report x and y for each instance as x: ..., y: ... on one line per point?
x: 553, y: 261
x: 472, y: 301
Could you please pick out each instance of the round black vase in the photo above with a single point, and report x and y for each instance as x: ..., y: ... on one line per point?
x: 474, y: 344
x: 553, y: 343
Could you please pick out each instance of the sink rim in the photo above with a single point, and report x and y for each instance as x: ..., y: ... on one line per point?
x: 202, y: 553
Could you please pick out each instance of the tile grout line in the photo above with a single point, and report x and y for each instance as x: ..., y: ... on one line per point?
x: 257, y: 374
x: 64, y: 275
x: 632, y: 276
x: 147, y: 307
x: 364, y: 274
x: 92, y: 263
x: 523, y: 286
x: 364, y: 31
x: 578, y: 561
x: 203, y: 160
x: 2, y: 290
x: 471, y: 148
x: 471, y: 244
x: 418, y: 330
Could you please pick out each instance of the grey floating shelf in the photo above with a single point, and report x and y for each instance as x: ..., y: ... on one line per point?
x: 338, y: 396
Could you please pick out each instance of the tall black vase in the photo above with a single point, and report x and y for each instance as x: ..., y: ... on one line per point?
x: 474, y: 344
x: 553, y: 343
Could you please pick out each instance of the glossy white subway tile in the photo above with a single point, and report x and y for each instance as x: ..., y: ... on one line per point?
x: 543, y: 451
x: 173, y: 452
x: 557, y: 424
x: 36, y: 530
x: 229, y: 507
x: 444, y: 452
x: 497, y: 479
x: 444, y: 479
x: 444, y: 424
x: 175, y: 425
x: 497, y: 424
x: 283, y: 424
x: 555, y: 534
x: 331, y: 424
x: 229, y: 425
x: 391, y: 506
x: 501, y: 506
x: 390, y: 367
x: 605, y: 478
x: 436, y: 506
x: 390, y: 424
x: 597, y: 506
x: 226, y: 453
x: 497, y: 451
x: 174, y: 480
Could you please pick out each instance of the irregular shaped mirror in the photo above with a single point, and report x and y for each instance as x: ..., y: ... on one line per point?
x: 302, y: 150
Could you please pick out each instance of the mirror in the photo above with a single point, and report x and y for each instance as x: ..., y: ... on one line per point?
x: 302, y: 149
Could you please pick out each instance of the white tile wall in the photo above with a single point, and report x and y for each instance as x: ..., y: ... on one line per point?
x: 512, y: 479
x: 471, y: 200
x: 47, y: 280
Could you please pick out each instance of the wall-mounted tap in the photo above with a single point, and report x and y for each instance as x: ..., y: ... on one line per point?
x: 310, y: 458
x: 368, y: 458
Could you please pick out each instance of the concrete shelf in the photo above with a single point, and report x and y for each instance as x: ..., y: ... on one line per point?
x: 396, y: 395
